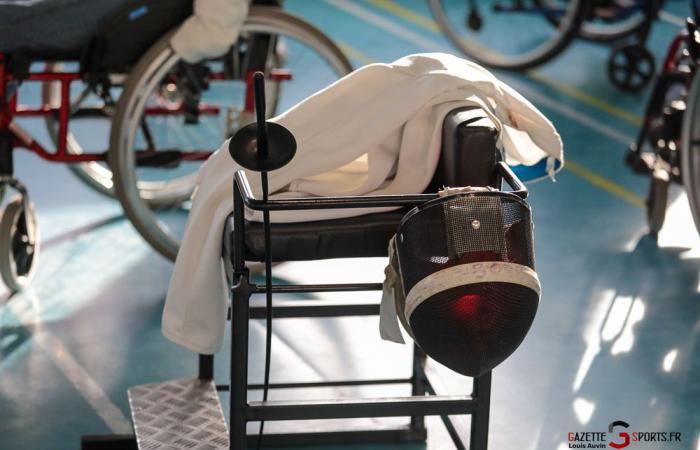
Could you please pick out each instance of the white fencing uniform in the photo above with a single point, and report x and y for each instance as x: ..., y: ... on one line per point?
x: 376, y: 131
x: 211, y: 30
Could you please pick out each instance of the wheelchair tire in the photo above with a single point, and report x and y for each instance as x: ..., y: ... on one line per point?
x: 616, y: 30
x: 565, y: 30
x: 656, y: 203
x: 612, y: 32
x: 96, y: 175
x: 690, y: 150
x: 631, y: 67
x: 141, y: 206
x: 18, y: 259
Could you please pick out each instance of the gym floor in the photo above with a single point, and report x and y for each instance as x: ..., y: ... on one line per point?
x: 616, y: 336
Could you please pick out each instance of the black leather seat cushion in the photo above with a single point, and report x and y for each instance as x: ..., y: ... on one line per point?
x: 107, y: 35
x: 467, y: 159
x: 48, y: 27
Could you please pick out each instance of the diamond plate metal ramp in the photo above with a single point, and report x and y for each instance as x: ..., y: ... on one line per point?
x: 182, y: 414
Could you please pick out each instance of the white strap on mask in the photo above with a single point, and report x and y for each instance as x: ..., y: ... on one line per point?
x: 471, y: 273
x: 389, y: 328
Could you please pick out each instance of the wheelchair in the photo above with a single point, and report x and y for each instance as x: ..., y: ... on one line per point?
x: 546, y: 29
x: 186, y: 413
x: 106, y: 68
x: 666, y: 145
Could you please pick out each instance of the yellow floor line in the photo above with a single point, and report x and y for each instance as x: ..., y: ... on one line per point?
x: 605, y: 184
x: 354, y: 54
x: 428, y: 24
x: 576, y: 169
x: 406, y: 14
x: 584, y: 97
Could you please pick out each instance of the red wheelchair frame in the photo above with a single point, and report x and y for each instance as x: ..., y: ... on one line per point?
x: 20, y: 245
x: 10, y: 108
x: 657, y: 148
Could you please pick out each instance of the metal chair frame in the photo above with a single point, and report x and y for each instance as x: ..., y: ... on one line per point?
x: 423, y: 401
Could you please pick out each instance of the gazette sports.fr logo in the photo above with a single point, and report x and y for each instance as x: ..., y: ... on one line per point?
x: 619, y: 436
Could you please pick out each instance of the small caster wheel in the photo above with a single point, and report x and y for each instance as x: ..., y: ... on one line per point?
x: 19, y: 245
x: 657, y: 201
x: 631, y: 67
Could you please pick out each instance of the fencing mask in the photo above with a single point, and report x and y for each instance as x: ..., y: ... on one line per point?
x: 465, y: 288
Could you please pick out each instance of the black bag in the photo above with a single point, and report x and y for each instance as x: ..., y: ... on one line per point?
x: 127, y: 34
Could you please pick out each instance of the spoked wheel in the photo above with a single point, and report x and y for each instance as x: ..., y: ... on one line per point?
x: 19, y: 244
x: 509, y: 34
x: 90, y: 121
x: 657, y: 202
x: 172, y: 115
x: 631, y: 67
x: 690, y: 150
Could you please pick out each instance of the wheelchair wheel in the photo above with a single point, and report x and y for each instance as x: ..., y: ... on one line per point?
x: 19, y: 244
x: 150, y: 116
x: 657, y: 202
x: 631, y: 67
x: 90, y: 120
x: 617, y: 20
x: 509, y: 34
x: 690, y: 150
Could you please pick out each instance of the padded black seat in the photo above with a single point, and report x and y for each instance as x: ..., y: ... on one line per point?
x: 51, y: 27
x: 468, y: 156
x: 107, y: 35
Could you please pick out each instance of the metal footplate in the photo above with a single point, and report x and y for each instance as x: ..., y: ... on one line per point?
x: 182, y: 414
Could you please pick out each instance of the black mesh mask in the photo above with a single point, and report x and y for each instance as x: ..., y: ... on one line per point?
x: 467, y: 270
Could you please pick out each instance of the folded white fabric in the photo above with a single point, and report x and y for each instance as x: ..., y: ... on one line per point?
x: 376, y: 131
x: 211, y: 30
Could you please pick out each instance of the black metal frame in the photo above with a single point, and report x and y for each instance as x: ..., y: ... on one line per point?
x: 424, y: 400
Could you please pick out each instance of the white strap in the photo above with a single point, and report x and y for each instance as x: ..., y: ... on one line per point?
x: 389, y: 328
x: 471, y: 273
x: 447, y: 191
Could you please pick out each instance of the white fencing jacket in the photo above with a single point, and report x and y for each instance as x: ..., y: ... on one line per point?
x: 375, y: 131
x: 211, y: 30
